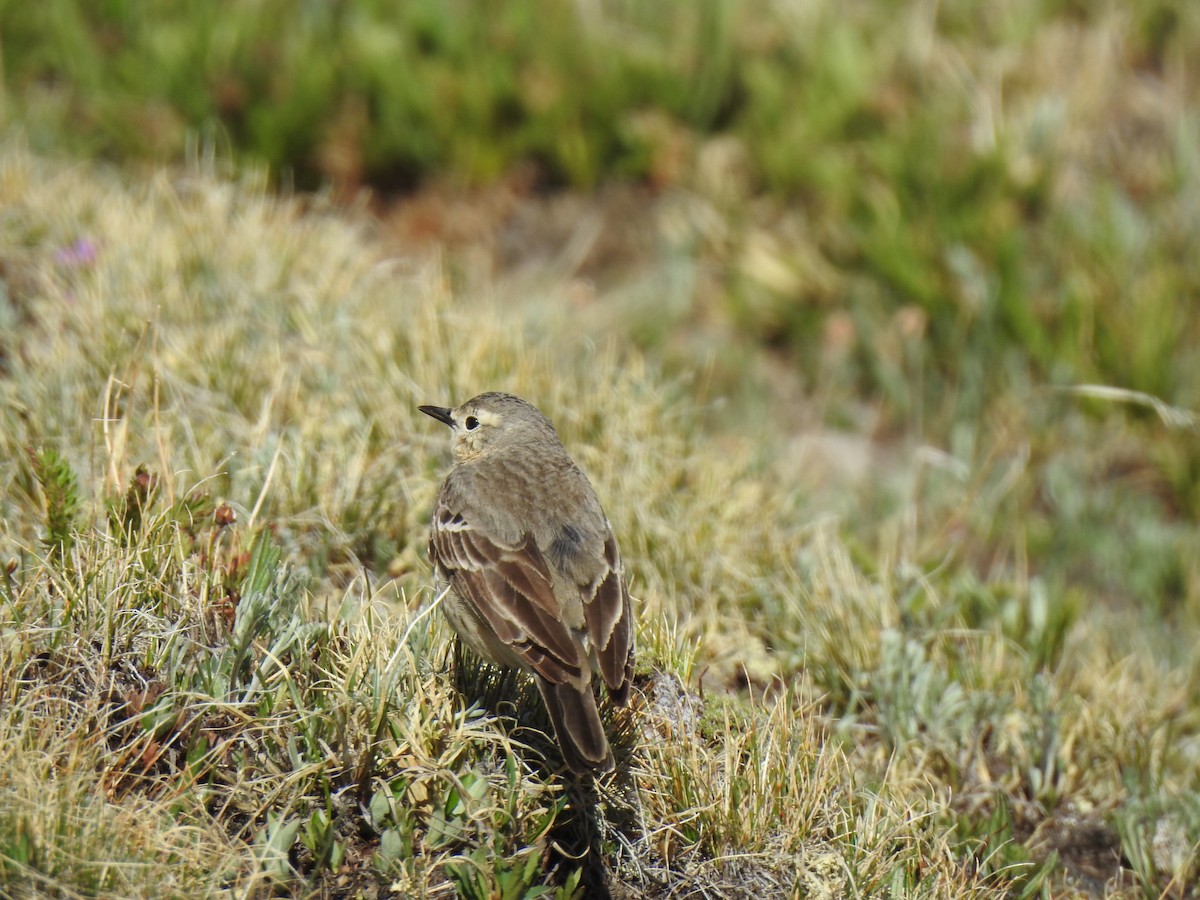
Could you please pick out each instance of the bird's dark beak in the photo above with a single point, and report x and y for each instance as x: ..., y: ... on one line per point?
x: 441, y: 413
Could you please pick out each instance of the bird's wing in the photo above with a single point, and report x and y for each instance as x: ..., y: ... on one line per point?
x: 509, y: 585
x: 610, y: 622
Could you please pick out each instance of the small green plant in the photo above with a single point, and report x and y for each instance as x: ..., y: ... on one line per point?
x: 60, y: 490
x: 18, y: 850
x: 454, y: 810
x: 266, y: 615
x: 392, y: 814
x: 273, y: 846
x: 482, y: 875
x: 319, y: 835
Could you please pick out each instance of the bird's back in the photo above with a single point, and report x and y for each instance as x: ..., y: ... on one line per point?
x: 508, y: 495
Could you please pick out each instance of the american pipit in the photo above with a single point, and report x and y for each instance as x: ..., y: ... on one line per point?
x: 535, y: 578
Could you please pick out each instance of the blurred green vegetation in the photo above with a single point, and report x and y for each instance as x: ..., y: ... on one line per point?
x: 392, y: 93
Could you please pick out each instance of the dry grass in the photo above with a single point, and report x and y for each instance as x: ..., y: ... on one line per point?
x: 219, y: 678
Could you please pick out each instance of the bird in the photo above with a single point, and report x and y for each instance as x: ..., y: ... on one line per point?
x: 534, y: 574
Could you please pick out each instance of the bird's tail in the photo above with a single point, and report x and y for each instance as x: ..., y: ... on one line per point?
x: 578, y: 727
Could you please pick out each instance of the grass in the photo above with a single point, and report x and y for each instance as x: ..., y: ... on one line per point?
x: 937, y: 220
x: 215, y: 620
x: 370, y: 91
x: 876, y: 339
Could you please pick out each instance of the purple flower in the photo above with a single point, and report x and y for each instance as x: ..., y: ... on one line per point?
x: 81, y: 253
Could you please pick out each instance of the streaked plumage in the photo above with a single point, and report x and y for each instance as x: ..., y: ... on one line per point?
x: 534, y: 572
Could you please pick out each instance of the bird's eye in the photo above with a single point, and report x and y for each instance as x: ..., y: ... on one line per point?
x: 472, y: 423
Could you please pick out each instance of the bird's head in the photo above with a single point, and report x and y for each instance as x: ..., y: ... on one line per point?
x: 491, y: 422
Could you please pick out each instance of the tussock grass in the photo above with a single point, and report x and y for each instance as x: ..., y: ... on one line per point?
x: 221, y: 676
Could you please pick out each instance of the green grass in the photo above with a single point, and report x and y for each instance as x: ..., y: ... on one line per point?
x: 214, y: 612
x: 374, y: 91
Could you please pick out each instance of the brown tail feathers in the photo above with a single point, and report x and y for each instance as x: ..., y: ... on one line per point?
x: 578, y: 728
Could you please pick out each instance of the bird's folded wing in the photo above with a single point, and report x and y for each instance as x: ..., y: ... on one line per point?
x: 509, y: 586
x: 610, y: 623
